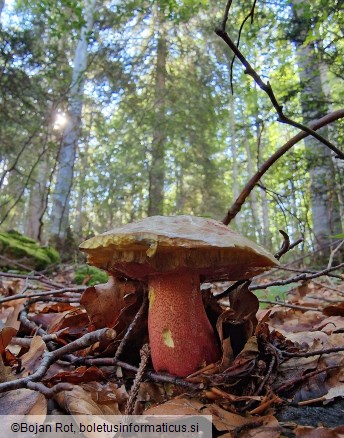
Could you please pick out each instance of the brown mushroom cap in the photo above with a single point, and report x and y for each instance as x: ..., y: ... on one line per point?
x: 165, y: 244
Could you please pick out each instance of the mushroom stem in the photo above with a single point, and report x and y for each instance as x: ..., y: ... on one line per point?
x: 181, y: 337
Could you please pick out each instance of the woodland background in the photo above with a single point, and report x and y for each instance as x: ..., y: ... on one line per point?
x: 112, y: 111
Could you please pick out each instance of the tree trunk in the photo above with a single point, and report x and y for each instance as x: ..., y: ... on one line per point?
x: 157, y: 170
x: 313, y: 104
x: 2, y: 5
x: 233, y: 148
x: 64, y: 179
x: 338, y: 165
x: 37, y: 202
x: 253, y: 195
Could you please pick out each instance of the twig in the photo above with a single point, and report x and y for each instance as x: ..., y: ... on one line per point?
x: 144, y: 354
x: 333, y: 252
x: 30, y: 324
x: 238, y: 203
x: 40, y: 278
x: 286, y: 246
x: 329, y: 287
x: 301, y: 379
x: 26, y: 342
x: 131, y: 327
x: 155, y: 377
x: 49, y: 392
x: 297, y: 278
x: 250, y: 15
x: 291, y: 306
x: 266, y: 87
x: 52, y: 356
x: 311, y: 353
x: 43, y: 294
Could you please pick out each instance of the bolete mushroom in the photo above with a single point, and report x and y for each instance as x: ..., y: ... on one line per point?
x: 173, y: 254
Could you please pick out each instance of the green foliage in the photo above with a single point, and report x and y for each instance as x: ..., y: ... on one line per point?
x: 15, y: 246
x: 96, y: 275
x: 273, y: 293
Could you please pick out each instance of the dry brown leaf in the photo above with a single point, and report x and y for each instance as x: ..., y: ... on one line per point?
x: 23, y: 402
x: 6, y: 334
x: 85, y: 403
x: 319, y: 432
x: 104, y: 302
x: 31, y: 360
x: 337, y: 310
x: 79, y: 375
x: 222, y: 420
x: 84, y: 400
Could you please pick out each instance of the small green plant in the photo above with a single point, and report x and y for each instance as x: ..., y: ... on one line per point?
x: 96, y: 275
x: 273, y: 293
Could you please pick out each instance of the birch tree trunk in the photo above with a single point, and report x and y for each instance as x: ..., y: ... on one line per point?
x: 157, y: 170
x: 313, y: 104
x: 64, y: 179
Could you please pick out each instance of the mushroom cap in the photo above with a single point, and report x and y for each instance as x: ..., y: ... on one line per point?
x: 165, y: 244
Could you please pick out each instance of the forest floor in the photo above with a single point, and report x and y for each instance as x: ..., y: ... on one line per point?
x: 286, y: 380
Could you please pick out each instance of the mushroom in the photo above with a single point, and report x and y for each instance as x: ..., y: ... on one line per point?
x: 174, y: 254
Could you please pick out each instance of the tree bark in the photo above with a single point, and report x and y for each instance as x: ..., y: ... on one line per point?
x: 37, y: 202
x: 253, y: 195
x: 233, y: 148
x: 64, y: 179
x: 313, y: 105
x: 157, y: 170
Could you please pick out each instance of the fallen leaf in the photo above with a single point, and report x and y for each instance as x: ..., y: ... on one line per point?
x: 31, y: 360
x: 104, y: 302
x: 319, y: 432
x: 23, y: 402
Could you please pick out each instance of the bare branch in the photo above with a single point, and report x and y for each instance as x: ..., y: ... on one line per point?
x: 236, y: 207
x: 50, y: 357
x: 301, y: 277
x: 266, y: 87
x: 43, y: 294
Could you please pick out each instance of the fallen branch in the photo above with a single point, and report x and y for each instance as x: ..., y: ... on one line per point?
x: 52, y: 356
x: 291, y: 306
x: 145, y: 355
x: 290, y: 384
x: 132, y: 325
x: 311, y: 353
x: 38, y: 277
x: 155, y: 377
x: 43, y: 294
x: 301, y: 277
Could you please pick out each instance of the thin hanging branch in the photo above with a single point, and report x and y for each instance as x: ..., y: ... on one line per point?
x: 238, y: 203
x: 266, y: 87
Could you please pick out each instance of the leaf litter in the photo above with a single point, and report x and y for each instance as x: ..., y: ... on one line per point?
x: 273, y: 359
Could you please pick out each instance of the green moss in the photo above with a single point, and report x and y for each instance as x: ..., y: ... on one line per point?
x: 15, y: 246
x: 97, y: 276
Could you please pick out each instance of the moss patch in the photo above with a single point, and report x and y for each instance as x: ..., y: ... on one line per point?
x: 96, y: 275
x: 24, y: 250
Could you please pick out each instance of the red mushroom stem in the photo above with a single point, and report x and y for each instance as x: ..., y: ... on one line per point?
x: 181, y: 337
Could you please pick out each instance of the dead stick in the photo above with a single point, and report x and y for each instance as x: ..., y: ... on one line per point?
x: 131, y: 327
x: 52, y: 356
x: 43, y: 294
x: 144, y: 354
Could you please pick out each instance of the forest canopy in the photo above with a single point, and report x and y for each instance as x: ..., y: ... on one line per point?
x: 112, y: 111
